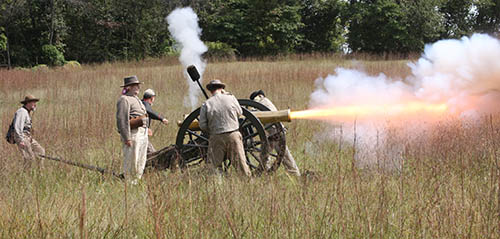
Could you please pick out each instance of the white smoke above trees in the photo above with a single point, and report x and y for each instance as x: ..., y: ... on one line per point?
x: 464, y: 74
x: 183, y: 26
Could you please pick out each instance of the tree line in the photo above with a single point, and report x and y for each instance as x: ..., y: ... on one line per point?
x: 90, y: 31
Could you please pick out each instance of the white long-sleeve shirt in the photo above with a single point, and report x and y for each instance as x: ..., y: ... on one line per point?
x: 22, y: 124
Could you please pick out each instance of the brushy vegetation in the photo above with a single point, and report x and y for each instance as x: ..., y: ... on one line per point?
x: 447, y: 186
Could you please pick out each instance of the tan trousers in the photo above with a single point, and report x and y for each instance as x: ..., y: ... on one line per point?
x: 288, y: 161
x: 230, y: 145
x: 135, y: 156
x: 30, y: 150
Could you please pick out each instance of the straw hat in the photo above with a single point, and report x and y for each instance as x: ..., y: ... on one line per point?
x: 29, y: 98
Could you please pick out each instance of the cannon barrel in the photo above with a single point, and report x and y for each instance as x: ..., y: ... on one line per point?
x: 265, y: 117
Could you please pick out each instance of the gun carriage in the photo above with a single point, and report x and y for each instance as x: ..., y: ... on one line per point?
x: 260, y: 128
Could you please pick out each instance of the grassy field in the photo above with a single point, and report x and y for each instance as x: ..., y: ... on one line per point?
x: 446, y: 187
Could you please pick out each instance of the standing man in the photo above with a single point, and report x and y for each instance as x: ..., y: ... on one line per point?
x: 148, y: 99
x: 288, y: 161
x: 219, y: 118
x: 20, y: 131
x: 132, y: 121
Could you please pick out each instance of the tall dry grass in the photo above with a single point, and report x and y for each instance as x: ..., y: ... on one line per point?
x: 447, y: 186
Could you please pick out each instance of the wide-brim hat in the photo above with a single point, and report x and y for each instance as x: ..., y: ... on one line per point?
x: 29, y: 98
x: 256, y: 93
x: 130, y: 80
x: 215, y: 84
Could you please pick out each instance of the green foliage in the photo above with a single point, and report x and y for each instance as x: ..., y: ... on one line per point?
x: 392, y: 26
x: 3, y: 42
x: 257, y: 27
x: 376, y: 27
x: 457, y: 18
x: 41, y: 67
x: 109, y: 30
x: 52, y: 56
x: 424, y: 24
x: 72, y: 64
x: 487, y: 18
x: 322, y: 27
x: 220, y: 49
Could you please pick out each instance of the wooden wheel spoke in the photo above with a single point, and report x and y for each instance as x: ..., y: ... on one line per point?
x: 191, y: 132
x: 251, y: 135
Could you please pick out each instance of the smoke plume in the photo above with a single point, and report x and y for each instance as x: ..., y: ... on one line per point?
x: 183, y: 26
x: 464, y: 74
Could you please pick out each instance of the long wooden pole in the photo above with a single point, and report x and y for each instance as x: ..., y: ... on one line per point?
x: 81, y: 165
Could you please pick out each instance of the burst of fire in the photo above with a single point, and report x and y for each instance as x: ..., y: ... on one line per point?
x: 371, y: 111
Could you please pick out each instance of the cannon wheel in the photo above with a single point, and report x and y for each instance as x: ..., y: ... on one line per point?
x: 276, y: 138
x: 193, y: 144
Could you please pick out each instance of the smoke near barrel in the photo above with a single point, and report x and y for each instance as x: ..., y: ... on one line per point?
x: 183, y: 26
x: 453, y: 78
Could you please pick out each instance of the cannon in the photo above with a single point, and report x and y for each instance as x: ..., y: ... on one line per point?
x: 258, y: 125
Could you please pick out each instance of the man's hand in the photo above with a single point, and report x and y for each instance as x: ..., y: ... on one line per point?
x: 128, y: 143
x: 22, y: 144
x: 165, y: 121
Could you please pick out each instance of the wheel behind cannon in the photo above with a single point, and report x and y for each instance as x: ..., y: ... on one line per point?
x: 275, y: 135
x: 192, y: 143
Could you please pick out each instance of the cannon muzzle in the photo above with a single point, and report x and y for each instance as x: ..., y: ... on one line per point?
x: 265, y: 117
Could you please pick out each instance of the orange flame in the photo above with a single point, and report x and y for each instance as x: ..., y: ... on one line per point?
x: 409, y: 108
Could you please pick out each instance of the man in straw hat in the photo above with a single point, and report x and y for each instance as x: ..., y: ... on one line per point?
x: 288, y: 160
x: 21, y: 131
x: 219, y: 118
x: 148, y: 98
x: 132, y: 122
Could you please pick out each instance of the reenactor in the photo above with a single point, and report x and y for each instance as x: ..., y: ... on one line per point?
x: 132, y: 122
x: 219, y: 118
x: 21, y: 131
x: 288, y: 160
x: 148, y: 98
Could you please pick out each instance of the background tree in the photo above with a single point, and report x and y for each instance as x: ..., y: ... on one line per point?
x: 376, y: 26
x: 50, y: 31
x: 322, y: 27
x: 382, y: 26
x: 258, y: 27
x: 424, y: 24
x: 457, y: 18
x: 487, y: 16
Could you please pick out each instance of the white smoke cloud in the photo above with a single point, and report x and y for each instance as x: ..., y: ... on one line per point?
x: 183, y: 26
x: 465, y: 74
